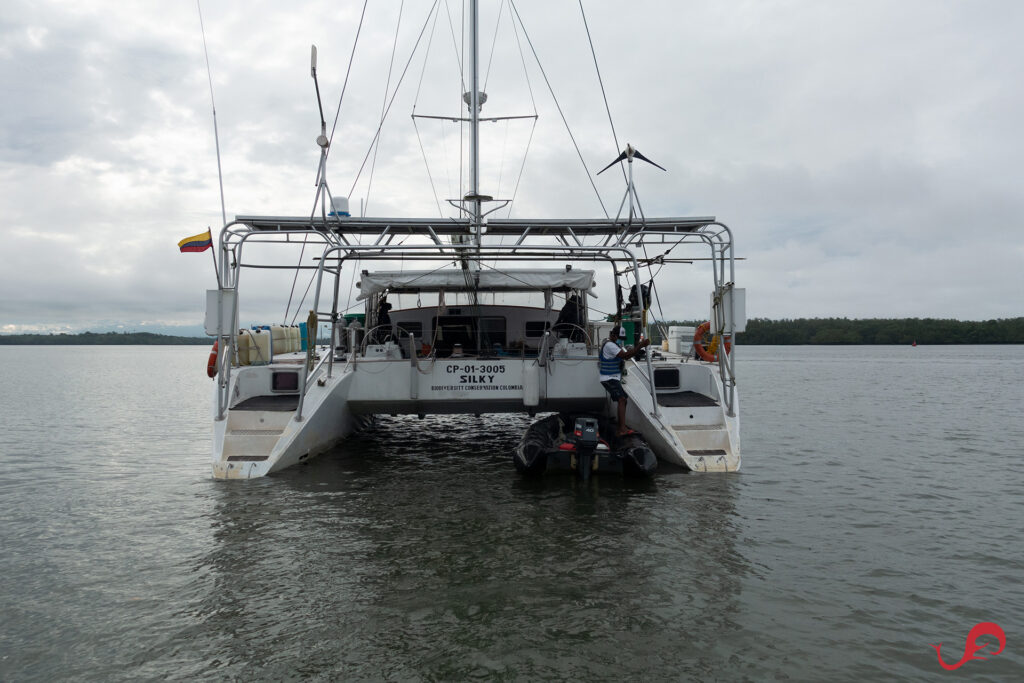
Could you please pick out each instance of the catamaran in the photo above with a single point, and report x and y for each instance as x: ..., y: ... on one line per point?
x: 470, y: 314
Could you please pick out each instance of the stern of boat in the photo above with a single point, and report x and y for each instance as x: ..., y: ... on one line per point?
x: 691, y: 425
x: 263, y: 432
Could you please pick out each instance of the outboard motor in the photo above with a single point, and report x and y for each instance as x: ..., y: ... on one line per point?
x: 585, y: 431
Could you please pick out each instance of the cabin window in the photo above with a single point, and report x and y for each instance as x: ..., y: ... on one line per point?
x: 666, y: 378
x: 284, y: 381
x: 537, y: 328
x: 492, y: 331
x: 462, y: 330
x: 405, y: 328
x: 454, y: 329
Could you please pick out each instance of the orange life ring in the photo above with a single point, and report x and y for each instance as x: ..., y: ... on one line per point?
x: 698, y: 344
x: 211, y: 365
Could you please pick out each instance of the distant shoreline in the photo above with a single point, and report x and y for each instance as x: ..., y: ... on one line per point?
x: 759, y: 332
x: 102, y: 339
x: 881, y: 332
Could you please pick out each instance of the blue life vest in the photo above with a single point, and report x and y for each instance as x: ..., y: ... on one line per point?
x: 609, y: 366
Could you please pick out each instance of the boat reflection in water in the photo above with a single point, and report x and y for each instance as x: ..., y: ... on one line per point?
x: 425, y: 556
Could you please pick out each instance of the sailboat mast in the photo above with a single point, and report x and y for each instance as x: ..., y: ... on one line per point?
x: 474, y: 129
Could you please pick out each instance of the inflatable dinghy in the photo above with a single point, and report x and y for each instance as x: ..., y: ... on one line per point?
x: 584, y: 444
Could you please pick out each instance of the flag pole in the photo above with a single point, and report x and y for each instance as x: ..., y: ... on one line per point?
x: 216, y: 270
x: 216, y: 140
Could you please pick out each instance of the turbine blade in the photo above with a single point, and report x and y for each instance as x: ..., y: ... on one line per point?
x: 638, y: 155
x: 621, y: 157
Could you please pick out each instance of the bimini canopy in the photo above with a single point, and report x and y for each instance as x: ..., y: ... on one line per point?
x: 455, y: 279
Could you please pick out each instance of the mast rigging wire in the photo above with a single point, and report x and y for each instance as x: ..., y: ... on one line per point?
x: 415, y: 102
x: 522, y: 167
x: 462, y: 84
x: 462, y: 124
x: 394, y: 94
x: 603, y: 94
x: 430, y: 177
x: 322, y: 168
x: 494, y: 43
x: 455, y: 45
x: 533, y: 101
x: 312, y: 277
x: 387, y: 85
x: 419, y: 87
x: 558, y: 106
x: 447, y: 158
x: 344, y: 85
x: 501, y: 162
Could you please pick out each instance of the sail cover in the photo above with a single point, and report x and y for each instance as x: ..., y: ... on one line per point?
x: 452, y: 280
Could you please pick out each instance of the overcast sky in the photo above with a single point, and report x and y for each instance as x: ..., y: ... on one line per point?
x: 865, y: 153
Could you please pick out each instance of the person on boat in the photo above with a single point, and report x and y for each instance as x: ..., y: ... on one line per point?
x: 610, y: 362
x: 383, y: 331
x: 569, y: 320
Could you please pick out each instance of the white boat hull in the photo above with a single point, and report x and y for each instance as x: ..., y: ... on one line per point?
x: 254, y: 443
x: 699, y: 434
x: 262, y: 434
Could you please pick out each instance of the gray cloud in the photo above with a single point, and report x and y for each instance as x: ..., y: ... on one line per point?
x: 865, y: 154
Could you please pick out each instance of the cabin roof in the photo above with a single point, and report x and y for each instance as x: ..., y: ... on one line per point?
x: 489, y: 280
x: 463, y: 226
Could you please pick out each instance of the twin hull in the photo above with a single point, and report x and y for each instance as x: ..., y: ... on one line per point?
x: 264, y: 431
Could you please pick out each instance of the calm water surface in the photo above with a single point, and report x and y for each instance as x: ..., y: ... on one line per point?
x: 879, y: 510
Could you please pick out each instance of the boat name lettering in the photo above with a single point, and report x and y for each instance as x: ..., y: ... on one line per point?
x: 471, y: 368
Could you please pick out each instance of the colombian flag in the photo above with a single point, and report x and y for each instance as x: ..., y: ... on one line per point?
x: 200, y: 242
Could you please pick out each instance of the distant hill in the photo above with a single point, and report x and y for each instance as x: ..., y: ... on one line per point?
x: 821, y: 331
x: 103, y: 339
x: 875, y: 331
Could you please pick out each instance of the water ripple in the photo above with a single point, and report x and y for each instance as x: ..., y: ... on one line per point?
x: 877, y: 513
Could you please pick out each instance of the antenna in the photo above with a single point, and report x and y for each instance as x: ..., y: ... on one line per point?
x: 339, y: 207
x: 319, y: 103
x: 216, y: 138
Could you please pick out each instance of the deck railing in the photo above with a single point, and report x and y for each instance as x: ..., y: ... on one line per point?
x: 655, y: 231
